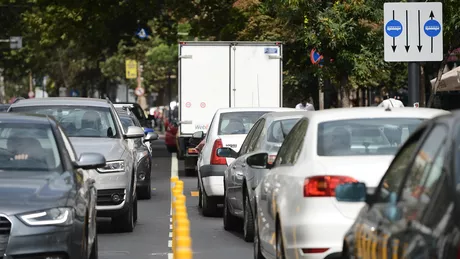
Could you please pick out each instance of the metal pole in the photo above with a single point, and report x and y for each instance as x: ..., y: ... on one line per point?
x: 170, y: 94
x: 413, y: 80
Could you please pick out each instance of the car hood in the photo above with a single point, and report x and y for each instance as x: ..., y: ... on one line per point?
x: 26, y: 191
x: 111, y: 149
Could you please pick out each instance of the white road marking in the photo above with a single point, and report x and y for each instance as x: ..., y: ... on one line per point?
x: 170, y: 234
x: 169, y: 243
x: 170, y: 256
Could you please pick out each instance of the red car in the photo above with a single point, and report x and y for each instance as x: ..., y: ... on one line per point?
x: 170, y: 136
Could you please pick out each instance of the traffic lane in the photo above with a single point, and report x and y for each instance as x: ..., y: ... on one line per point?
x: 209, y: 239
x: 150, y: 237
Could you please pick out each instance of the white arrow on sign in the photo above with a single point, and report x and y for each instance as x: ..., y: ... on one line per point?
x: 407, y: 25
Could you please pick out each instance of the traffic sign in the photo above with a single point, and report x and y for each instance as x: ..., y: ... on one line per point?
x: 188, y: 104
x: 315, y: 57
x: 416, y: 105
x: 139, y: 91
x: 413, y: 32
x: 31, y: 94
x: 131, y: 69
x: 142, y: 34
x: 203, y: 105
x: 15, y: 42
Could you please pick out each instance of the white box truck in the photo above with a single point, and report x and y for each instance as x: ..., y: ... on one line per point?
x: 215, y: 75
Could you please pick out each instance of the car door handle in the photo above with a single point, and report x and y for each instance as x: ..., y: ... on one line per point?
x: 234, y: 167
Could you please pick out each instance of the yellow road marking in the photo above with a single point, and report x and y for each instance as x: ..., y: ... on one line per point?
x: 194, y: 193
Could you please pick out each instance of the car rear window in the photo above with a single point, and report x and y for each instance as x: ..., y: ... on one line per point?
x: 360, y: 137
x: 279, y: 129
x: 232, y: 123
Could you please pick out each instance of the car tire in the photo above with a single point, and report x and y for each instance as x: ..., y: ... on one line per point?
x: 200, y: 196
x: 125, y: 222
x: 248, y: 221
x: 279, y: 243
x: 94, y: 249
x: 230, y: 221
x: 145, y: 193
x: 257, y: 250
x: 209, y: 205
x: 135, y: 211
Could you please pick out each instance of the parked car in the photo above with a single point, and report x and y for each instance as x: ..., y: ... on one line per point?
x: 228, y: 128
x: 266, y: 135
x: 142, y: 152
x: 414, y: 211
x: 146, y: 121
x: 48, y: 201
x: 93, y: 125
x: 324, y: 149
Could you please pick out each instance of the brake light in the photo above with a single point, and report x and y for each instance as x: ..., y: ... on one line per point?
x: 314, y: 250
x: 271, y: 159
x: 324, y: 186
x: 192, y: 151
x: 215, y: 160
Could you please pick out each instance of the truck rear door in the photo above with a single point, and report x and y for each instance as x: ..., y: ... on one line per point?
x: 204, y: 76
x: 256, y: 75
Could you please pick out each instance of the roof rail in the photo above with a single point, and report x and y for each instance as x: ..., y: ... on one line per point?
x: 18, y: 99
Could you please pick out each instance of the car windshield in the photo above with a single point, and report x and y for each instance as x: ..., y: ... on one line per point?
x: 79, y: 121
x: 238, y: 122
x: 359, y: 137
x: 25, y: 146
x: 126, y: 122
x: 278, y: 130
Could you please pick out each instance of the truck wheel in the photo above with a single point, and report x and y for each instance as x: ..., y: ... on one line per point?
x: 209, y: 205
x: 125, y: 222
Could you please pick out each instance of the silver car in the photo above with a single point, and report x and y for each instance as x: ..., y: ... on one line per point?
x: 266, y: 135
x: 93, y: 125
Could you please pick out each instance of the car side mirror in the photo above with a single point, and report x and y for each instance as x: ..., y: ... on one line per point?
x: 90, y: 161
x: 351, y: 192
x: 151, y: 136
x: 134, y: 132
x: 226, y: 152
x: 259, y: 160
x: 198, y: 135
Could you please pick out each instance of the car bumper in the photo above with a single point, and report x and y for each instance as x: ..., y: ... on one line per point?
x: 310, y: 229
x: 212, y: 178
x: 43, y: 242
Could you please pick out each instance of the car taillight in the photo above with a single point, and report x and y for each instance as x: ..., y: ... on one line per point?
x: 324, y: 186
x: 215, y: 160
x: 193, y: 151
x: 271, y: 159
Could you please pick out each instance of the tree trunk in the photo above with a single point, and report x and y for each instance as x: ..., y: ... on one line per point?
x: 344, y: 91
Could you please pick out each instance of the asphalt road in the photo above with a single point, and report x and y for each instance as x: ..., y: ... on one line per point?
x: 150, y: 238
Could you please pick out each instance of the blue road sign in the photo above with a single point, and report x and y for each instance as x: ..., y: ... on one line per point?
x: 142, y: 34
x: 315, y: 56
x: 432, y: 28
x: 393, y: 28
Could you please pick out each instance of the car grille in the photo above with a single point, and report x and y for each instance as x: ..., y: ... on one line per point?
x: 5, y: 228
x: 105, y: 197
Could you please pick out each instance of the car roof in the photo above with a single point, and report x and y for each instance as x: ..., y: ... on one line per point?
x: 10, y: 117
x: 62, y: 101
x: 373, y: 112
x: 279, y: 115
x: 253, y: 109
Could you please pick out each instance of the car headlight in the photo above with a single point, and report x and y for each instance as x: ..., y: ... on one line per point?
x: 56, y: 216
x: 112, y: 167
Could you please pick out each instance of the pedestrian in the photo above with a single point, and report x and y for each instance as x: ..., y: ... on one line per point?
x: 304, y: 105
x: 391, y: 103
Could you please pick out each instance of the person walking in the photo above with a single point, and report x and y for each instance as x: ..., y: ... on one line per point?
x: 304, y: 105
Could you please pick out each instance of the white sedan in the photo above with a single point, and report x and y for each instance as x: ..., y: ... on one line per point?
x: 297, y: 215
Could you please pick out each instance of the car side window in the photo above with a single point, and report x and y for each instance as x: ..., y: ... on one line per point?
x: 257, y: 135
x: 292, y: 144
x: 393, y: 178
x: 427, y: 167
x: 245, y: 146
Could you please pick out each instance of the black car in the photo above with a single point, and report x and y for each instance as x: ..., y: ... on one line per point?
x: 415, y: 210
x: 47, y: 200
x: 135, y: 108
x: 142, y: 151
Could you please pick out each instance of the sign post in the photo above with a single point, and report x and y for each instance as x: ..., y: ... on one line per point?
x: 408, y: 25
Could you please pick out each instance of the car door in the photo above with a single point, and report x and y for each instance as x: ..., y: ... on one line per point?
x: 235, y: 172
x: 271, y: 183
x: 382, y: 223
